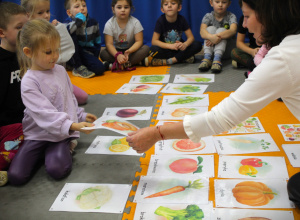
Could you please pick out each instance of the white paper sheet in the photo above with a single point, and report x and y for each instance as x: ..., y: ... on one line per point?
x: 185, y: 100
x: 139, y: 88
x: 290, y: 132
x: 184, y: 89
x: 293, y: 153
x: 251, y: 125
x: 129, y: 113
x: 178, y: 113
x: 194, y: 78
x: 150, y: 79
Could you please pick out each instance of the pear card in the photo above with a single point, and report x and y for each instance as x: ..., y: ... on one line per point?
x: 184, y: 89
x: 293, y: 153
x: 194, y: 78
x: 139, y: 88
x: 150, y: 79
x: 129, y: 113
x: 178, y: 113
x: 185, y: 100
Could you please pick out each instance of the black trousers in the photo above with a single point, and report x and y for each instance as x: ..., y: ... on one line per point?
x: 293, y: 187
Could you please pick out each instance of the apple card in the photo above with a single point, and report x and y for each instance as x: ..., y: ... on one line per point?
x: 185, y: 100
x: 130, y: 113
x: 181, y: 165
x: 194, y: 78
x: 184, y: 89
x: 251, y: 125
x: 150, y: 79
x: 87, y: 197
x: 178, y: 113
x: 114, y: 145
x: 139, y: 88
x: 161, y: 189
x: 185, y: 146
x: 249, y: 167
x: 293, y: 153
x: 250, y: 214
x: 290, y: 132
x: 155, y: 211
x: 244, y: 144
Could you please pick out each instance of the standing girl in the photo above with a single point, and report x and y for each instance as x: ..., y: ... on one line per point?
x: 52, y: 118
x: 123, y: 36
x: 41, y: 9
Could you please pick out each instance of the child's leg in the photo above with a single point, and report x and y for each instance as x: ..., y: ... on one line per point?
x: 58, y: 160
x: 93, y: 63
x: 139, y: 55
x: 240, y: 57
x: 75, y: 60
x: 106, y: 56
x: 25, y: 161
x: 208, y: 51
x: 80, y: 95
x: 158, y: 56
x: 219, y: 48
x: 194, y: 48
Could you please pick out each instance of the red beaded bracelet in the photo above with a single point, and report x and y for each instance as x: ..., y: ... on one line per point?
x: 117, y: 54
x: 162, y: 137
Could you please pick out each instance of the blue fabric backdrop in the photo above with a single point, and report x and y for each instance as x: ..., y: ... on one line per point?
x: 147, y: 11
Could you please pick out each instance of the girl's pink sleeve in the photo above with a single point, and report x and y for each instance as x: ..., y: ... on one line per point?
x: 260, y: 54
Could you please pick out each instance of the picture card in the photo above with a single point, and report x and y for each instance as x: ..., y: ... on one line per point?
x: 194, y: 78
x: 154, y: 211
x: 139, y: 88
x: 185, y: 100
x: 185, y: 146
x: 250, y: 214
x: 244, y: 144
x: 251, y: 125
x: 114, y: 145
x: 290, y: 132
x: 293, y: 153
x: 184, y: 89
x: 271, y: 193
x: 178, y: 113
x: 181, y: 165
x: 150, y: 79
x: 161, y: 189
x: 252, y: 167
x: 129, y: 113
x: 164, y: 122
x: 88, y: 197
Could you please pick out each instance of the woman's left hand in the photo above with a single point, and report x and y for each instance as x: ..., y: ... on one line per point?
x: 90, y: 117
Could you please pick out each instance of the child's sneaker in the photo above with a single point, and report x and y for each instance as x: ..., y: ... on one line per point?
x: 145, y: 62
x: 216, y: 66
x: 106, y: 65
x: 83, y: 72
x: 237, y: 65
x: 190, y: 60
x: 204, y: 65
x: 3, y: 178
x: 158, y: 62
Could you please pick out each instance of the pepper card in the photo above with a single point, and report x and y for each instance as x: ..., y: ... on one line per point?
x: 290, y: 132
x: 185, y: 146
x: 244, y: 144
x: 181, y: 165
x: 114, y: 145
x: 150, y: 79
x: 185, y: 100
x: 194, y: 78
x: 250, y: 214
x: 178, y: 113
x: 293, y: 153
x: 250, y: 194
x: 184, y: 89
x: 87, y: 197
x: 249, y: 167
x: 160, y: 211
x: 129, y: 113
x: 251, y: 125
x: 162, y: 189
x: 139, y: 88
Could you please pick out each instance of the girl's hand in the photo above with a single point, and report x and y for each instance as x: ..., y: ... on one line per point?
x: 90, y: 117
x: 126, y: 54
x: 121, y: 59
x: 255, y: 51
x: 78, y: 126
x: 209, y: 43
x: 54, y: 22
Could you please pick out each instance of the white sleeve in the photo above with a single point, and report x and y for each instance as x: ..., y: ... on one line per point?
x: 67, y: 48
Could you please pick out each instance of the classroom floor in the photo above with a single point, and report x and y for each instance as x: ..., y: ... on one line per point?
x: 33, y: 200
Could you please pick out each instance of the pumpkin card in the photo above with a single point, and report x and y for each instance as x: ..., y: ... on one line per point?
x: 185, y: 100
x: 139, y: 88
x: 162, y: 189
x: 115, y: 145
x: 293, y: 153
x: 250, y: 214
x: 129, y: 113
x: 290, y: 132
x: 194, y: 78
x: 87, y: 197
x: 163, y: 211
x: 244, y: 144
x: 271, y: 193
x: 181, y: 165
x: 251, y: 125
x: 150, y: 79
x: 178, y: 113
x: 184, y: 89
x: 252, y: 167
x: 185, y: 146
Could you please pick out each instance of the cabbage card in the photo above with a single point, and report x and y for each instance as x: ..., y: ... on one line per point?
x: 185, y: 100
x: 178, y: 113
x: 252, y: 167
x: 114, y: 145
x: 194, y: 78
x: 169, y: 189
x: 129, y: 113
x: 293, y: 153
x: 149, y: 89
x: 244, y: 144
x: 251, y: 125
x: 162, y: 211
x: 253, y: 194
x: 184, y: 89
x: 185, y: 146
x: 181, y: 165
x: 250, y: 214
x: 88, y: 197
x: 150, y: 79
x: 290, y: 132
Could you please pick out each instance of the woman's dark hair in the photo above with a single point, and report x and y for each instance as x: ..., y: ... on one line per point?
x: 279, y: 19
x: 251, y: 3
x: 114, y: 2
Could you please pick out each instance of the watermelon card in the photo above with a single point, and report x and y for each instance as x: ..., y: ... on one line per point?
x: 290, y: 132
x: 185, y: 100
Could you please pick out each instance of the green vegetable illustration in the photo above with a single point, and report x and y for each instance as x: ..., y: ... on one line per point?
x: 145, y: 79
x: 188, y: 88
x: 186, y: 100
x: 202, y: 79
x: 191, y: 212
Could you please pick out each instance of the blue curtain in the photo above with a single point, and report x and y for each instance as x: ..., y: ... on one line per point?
x: 147, y: 11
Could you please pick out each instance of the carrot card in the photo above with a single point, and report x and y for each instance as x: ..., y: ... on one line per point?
x: 251, y: 125
x: 194, y: 78
x: 150, y: 79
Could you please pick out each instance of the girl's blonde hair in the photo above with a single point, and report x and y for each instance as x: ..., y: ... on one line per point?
x: 34, y: 35
x: 30, y: 5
